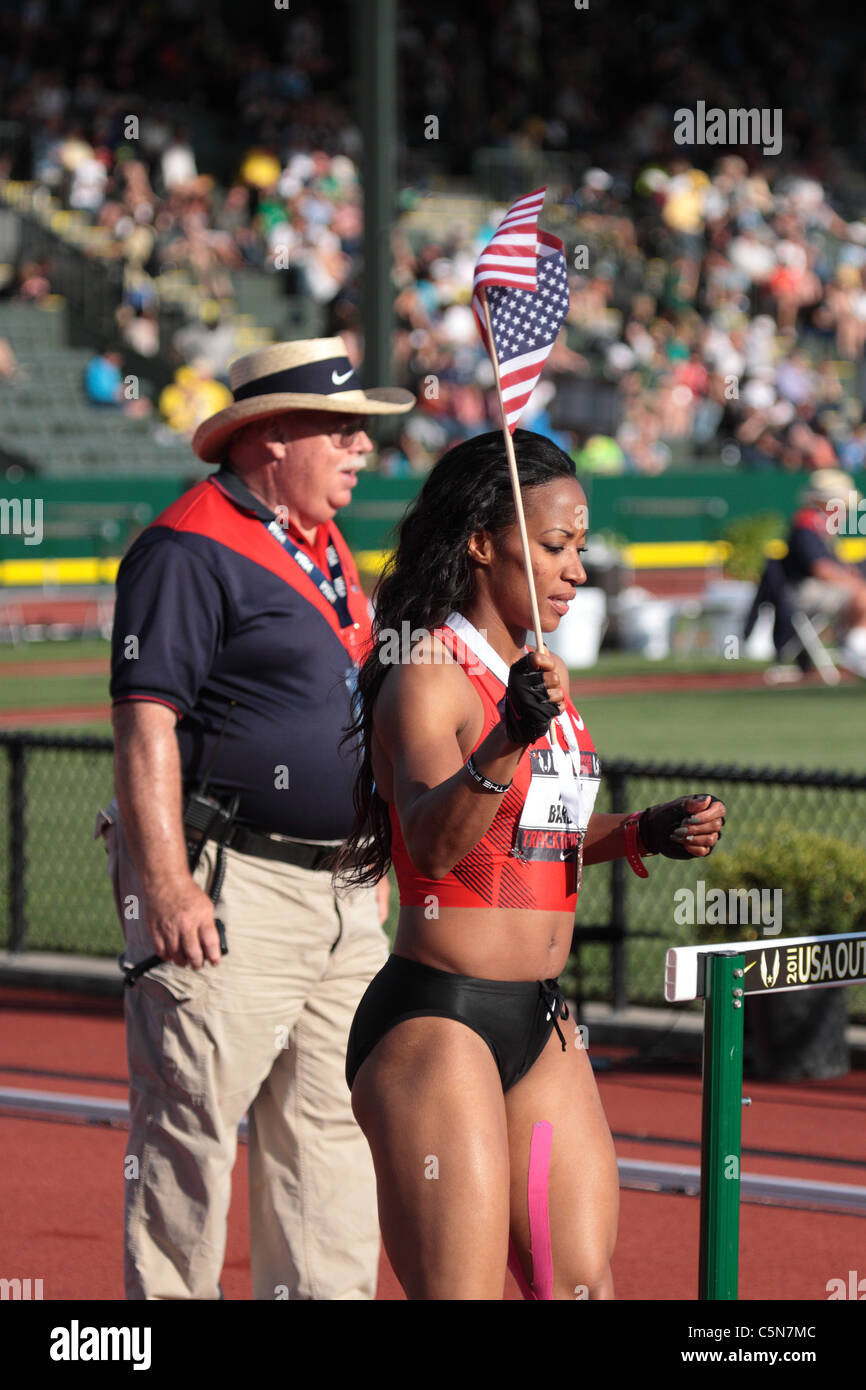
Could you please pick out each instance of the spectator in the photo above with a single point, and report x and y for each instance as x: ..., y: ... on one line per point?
x: 9, y: 369
x: 139, y: 328
x: 211, y: 338
x: 178, y: 164
x: 89, y: 178
x: 33, y: 283
x: 740, y: 265
x: 103, y: 380
x: 104, y: 386
x: 192, y: 397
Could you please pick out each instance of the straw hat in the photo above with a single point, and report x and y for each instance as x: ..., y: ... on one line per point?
x: 828, y: 485
x: 312, y: 374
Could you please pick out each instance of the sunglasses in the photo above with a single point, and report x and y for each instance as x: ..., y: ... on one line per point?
x: 344, y: 436
x: 341, y: 434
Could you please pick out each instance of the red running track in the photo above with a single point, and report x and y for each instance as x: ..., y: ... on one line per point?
x: 61, y: 1183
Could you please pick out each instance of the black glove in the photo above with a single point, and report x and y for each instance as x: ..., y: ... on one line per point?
x: 525, y: 709
x: 657, y: 824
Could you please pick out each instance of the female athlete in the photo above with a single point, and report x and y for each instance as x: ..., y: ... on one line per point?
x: 478, y: 779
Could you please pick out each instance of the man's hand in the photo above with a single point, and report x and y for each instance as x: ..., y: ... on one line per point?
x: 383, y: 897
x: 181, y: 924
x: 147, y: 777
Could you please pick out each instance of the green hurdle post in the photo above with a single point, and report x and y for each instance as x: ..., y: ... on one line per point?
x: 720, y: 1127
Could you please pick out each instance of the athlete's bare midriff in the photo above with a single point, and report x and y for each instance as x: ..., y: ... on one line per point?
x: 490, y: 943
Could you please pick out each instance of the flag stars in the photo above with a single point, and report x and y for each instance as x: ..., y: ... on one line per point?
x: 527, y: 321
x: 526, y: 314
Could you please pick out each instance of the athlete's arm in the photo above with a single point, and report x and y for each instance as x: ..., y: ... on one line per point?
x: 605, y: 837
x: 424, y: 719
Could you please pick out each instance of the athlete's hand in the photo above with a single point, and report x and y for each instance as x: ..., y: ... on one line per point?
x: 180, y: 919
x: 534, y: 697
x: 687, y: 828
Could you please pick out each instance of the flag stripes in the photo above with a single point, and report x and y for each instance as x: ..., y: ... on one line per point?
x: 523, y: 275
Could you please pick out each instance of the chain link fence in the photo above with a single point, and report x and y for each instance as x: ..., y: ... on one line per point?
x: 625, y: 924
x: 55, y: 894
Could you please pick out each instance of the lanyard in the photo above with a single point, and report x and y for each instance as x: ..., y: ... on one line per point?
x: 567, y: 764
x: 332, y: 588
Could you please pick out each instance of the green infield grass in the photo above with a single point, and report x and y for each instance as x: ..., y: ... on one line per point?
x: 22, y: 689
x: 78, y: 649
x: 776, y: 727
x: 816, y: 727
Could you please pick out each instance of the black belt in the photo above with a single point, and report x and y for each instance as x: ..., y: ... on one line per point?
x: 213, y: 823
x: 258, y: 843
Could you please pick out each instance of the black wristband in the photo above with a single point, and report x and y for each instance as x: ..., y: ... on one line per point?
x: 485, y: 782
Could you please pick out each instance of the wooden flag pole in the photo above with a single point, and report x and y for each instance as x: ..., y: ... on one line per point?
x: 515, y: 482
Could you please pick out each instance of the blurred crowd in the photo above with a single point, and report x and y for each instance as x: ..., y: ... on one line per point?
x: 717, y: 314
x: 718, y: 298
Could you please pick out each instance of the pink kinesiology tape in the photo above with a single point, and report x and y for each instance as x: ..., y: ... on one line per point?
x: 539, y: 1219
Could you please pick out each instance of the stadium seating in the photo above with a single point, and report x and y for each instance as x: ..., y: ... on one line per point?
x: 45, y: 418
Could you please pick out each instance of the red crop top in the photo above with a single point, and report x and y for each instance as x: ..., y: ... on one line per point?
x: 528, y: 858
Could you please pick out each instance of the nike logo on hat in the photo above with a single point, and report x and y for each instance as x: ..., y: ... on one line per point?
x: 338, y: 380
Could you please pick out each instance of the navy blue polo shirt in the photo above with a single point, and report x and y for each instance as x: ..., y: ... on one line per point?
x: 211, y: 608
x: 807, y: 543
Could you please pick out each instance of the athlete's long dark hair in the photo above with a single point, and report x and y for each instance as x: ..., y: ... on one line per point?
x: 429, y: 576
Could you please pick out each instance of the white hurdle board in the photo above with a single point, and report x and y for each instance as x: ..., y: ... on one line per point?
x: 772, y: 967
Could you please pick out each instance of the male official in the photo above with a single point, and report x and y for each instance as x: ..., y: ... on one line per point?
x: 824, y: 584
x: 238, y: 626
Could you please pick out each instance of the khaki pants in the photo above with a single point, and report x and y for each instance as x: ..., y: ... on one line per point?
x: 819, y: 596
x: 265, y: 1031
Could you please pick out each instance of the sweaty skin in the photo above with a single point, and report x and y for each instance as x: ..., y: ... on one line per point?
x: 427, y: 720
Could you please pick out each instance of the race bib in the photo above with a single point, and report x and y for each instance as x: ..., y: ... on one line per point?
x: 545, y: 829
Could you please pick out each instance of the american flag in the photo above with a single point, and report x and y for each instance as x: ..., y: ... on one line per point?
x: 524, y: 275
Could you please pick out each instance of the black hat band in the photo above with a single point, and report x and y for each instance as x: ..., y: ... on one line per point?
x: 312, y: 378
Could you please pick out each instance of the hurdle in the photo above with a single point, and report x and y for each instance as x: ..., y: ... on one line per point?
x: 723, y: 975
